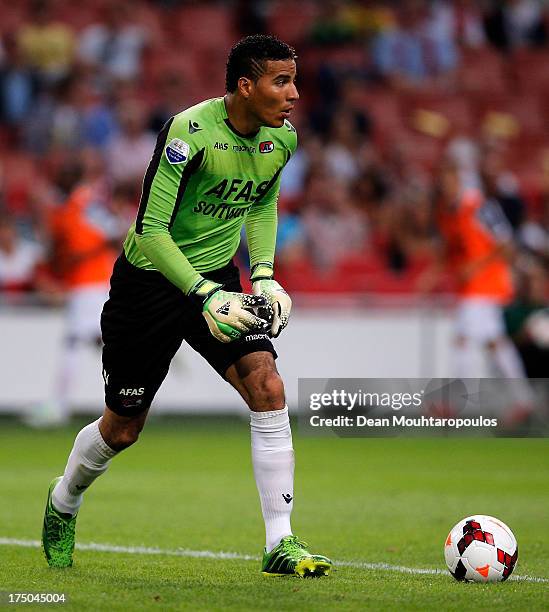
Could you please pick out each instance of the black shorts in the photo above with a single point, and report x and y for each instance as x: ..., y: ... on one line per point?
x: 143, y: 324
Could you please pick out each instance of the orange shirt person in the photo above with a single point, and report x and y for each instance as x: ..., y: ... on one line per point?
x: 476, y: 237
x: 82, y: 246
x: 476, y: 242
x: 81, y: 234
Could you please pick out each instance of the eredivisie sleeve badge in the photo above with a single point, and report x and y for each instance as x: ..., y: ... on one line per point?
x: 177, y: 151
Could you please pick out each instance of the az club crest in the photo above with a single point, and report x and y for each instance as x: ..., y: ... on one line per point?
x: 267, y: 146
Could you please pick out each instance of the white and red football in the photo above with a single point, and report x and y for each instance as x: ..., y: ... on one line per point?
x: 481, y: 549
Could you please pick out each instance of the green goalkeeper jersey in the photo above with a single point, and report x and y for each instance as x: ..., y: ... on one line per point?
x: 204, y: 182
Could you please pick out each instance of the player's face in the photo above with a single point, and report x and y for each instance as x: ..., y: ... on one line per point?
x: 273, y: 95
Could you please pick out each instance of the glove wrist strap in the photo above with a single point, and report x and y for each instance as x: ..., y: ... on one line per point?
x: 262, y: 270
x: 202, y: 290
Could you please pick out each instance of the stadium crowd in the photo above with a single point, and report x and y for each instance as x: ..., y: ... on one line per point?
x: 388, y: 90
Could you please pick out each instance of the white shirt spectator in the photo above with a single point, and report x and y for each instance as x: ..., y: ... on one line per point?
x: 119, y: 51
x: 129, y: 156
x: 18, y: 265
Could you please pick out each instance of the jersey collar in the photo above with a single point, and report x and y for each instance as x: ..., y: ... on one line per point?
x: 227, y: 122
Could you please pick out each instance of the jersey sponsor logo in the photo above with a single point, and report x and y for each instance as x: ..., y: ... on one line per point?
x: 221, y: 210
x: 127, y: 392
x: 236, y: 189
x: 177, y: 151
x: 267, y: 146
x: 243, y: 149
x: 224, y: 146
x: 194, y: 127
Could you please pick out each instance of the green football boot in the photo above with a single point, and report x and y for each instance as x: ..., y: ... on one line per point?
x: 291, y: 558
x: 57, y: 533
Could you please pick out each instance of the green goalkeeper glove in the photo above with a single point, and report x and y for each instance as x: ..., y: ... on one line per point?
x: 231, y: 315
x: 264, y: 285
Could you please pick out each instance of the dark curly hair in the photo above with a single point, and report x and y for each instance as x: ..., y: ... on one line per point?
x: 247, y: 58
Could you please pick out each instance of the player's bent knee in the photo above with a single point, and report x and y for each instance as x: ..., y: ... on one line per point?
x: 120, y: 432
x: 122, y: 438
x: 266, y: 390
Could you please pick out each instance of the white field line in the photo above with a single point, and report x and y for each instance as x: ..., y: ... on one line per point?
x: 209, y: 554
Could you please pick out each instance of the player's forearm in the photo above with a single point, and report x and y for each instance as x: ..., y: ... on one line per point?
x: 164, y: 254
x: 261, y: 225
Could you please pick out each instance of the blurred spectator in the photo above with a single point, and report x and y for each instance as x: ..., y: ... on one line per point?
x: 332, y: 26
x: 366, y: 19
x: 334, y: 228
x: 82, y: 237
x: 131, y: 149
x: 439, y: 38
x: 123, y: 208
x: 18, y: 85
x: 475, y: 241
x: 463, y: 151
x: 291, y: 243
x: 295, y: 172
x: 527, y: 319
x: 18, y: 259
x: 414, y: 231
x: 172, y: 96
x: 341, y: 151
x: 340, y: 94
x: 418, y: 46
x: 515, y: 23
x: 46, y: 45
x: 533, y: 234
x: 501, y: 186
x: 115, y: 44
x: 250, y: 17
x: 308, y: 158
x: 81, y: 116
x: 349, y: 131
x: 468, y: 23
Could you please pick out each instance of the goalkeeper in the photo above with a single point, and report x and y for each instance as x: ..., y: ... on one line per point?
x: 216, y: 167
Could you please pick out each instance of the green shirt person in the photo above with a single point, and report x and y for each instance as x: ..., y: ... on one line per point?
x: 215, y: 168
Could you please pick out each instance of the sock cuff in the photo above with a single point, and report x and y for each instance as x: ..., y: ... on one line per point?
x: 97, y: 439
x: 274, y: 417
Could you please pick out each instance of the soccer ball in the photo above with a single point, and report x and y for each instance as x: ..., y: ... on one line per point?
x: 481, y: 549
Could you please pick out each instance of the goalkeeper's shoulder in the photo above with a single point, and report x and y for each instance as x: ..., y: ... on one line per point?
x: 285, y: 137
x: 196, y: 122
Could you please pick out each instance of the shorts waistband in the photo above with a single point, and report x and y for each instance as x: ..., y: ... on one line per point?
x: 219, y: 275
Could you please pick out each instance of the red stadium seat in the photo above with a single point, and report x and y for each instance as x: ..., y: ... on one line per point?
x: 205, y: 26
x: 291, y: 20
x: 531, y: 70
x: 384, y: 107
x: 483, y: 70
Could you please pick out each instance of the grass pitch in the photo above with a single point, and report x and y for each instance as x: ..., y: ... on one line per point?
x: 188, y: 484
